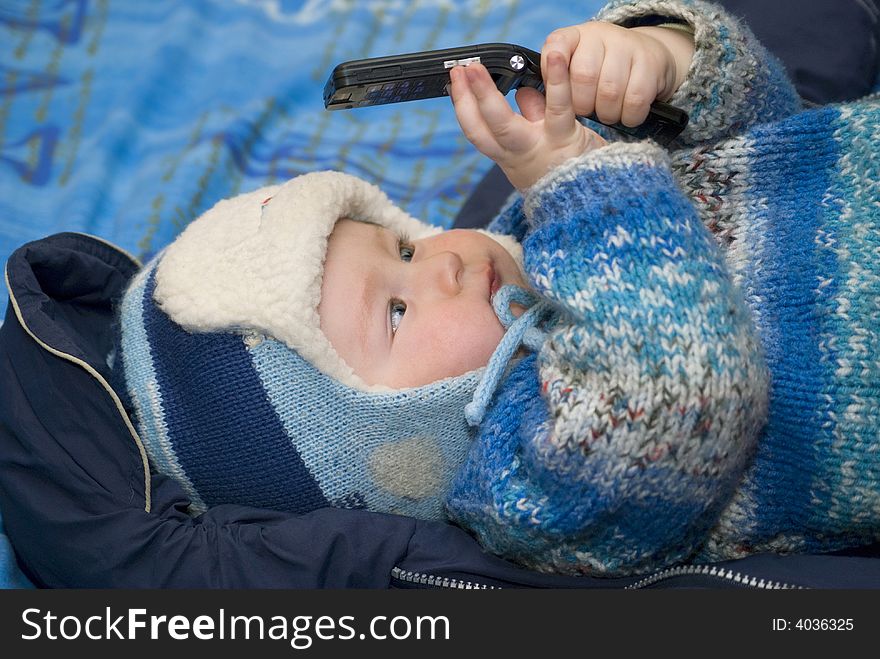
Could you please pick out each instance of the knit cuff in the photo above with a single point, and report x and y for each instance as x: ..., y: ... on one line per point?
x: 732, y: 82
x: 586, y: 179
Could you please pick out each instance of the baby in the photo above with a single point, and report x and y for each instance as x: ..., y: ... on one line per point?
x: 592, y: 385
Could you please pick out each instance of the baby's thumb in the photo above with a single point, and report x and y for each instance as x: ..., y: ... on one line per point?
x: 531, y: 103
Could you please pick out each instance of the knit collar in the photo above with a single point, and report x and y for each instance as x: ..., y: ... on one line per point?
x: 522, y: 331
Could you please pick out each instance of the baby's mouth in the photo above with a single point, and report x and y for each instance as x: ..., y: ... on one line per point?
x: 494, y: 281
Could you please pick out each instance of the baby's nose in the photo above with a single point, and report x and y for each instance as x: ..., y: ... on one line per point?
x: 443, y: 271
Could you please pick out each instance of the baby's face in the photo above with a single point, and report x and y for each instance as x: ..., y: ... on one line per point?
x: 404, y: 314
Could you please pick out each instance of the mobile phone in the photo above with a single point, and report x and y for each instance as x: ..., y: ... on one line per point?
x: 415, y: 76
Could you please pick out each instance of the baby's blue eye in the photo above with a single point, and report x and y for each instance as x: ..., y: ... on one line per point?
x: 405, y: 249
x: 397, y: 309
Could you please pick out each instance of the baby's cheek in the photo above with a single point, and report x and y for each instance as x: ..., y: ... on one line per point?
x: 476, y: 335
x: 452, y: 340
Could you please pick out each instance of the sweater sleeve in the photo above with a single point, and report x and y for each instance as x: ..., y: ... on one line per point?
x: 613, y: 451
x: 733, y: 82
x: 510, y: 220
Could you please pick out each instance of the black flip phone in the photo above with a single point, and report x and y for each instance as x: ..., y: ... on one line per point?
x: 415, y: 76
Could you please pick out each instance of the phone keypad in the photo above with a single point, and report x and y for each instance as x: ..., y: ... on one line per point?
x: 401, y: 90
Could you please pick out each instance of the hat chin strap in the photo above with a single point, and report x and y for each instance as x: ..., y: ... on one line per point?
x: 522, y: 331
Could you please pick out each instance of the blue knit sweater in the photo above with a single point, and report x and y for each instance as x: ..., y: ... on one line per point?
x: 710, y: 387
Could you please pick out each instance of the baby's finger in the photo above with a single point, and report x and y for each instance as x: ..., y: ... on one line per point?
x: 559, y: 118
x: 641, y: 90
x: 612, y: 87
x: 496, y: 111
x: 564, y: 40
x: 584, y: 72
x: 467, y: 111
x: 531, y: 103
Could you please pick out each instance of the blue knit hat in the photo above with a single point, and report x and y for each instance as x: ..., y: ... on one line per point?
x: 240, y: 397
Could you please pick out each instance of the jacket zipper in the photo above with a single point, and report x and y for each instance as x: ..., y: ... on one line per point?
x: 723, y: 574
x: 423, y: 579
x: 712, y: 571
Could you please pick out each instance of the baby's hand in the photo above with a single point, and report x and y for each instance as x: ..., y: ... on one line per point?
x: 525, y: 146
x: 618, y: 72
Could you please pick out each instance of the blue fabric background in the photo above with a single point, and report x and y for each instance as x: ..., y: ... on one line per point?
x: 10, y: 574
